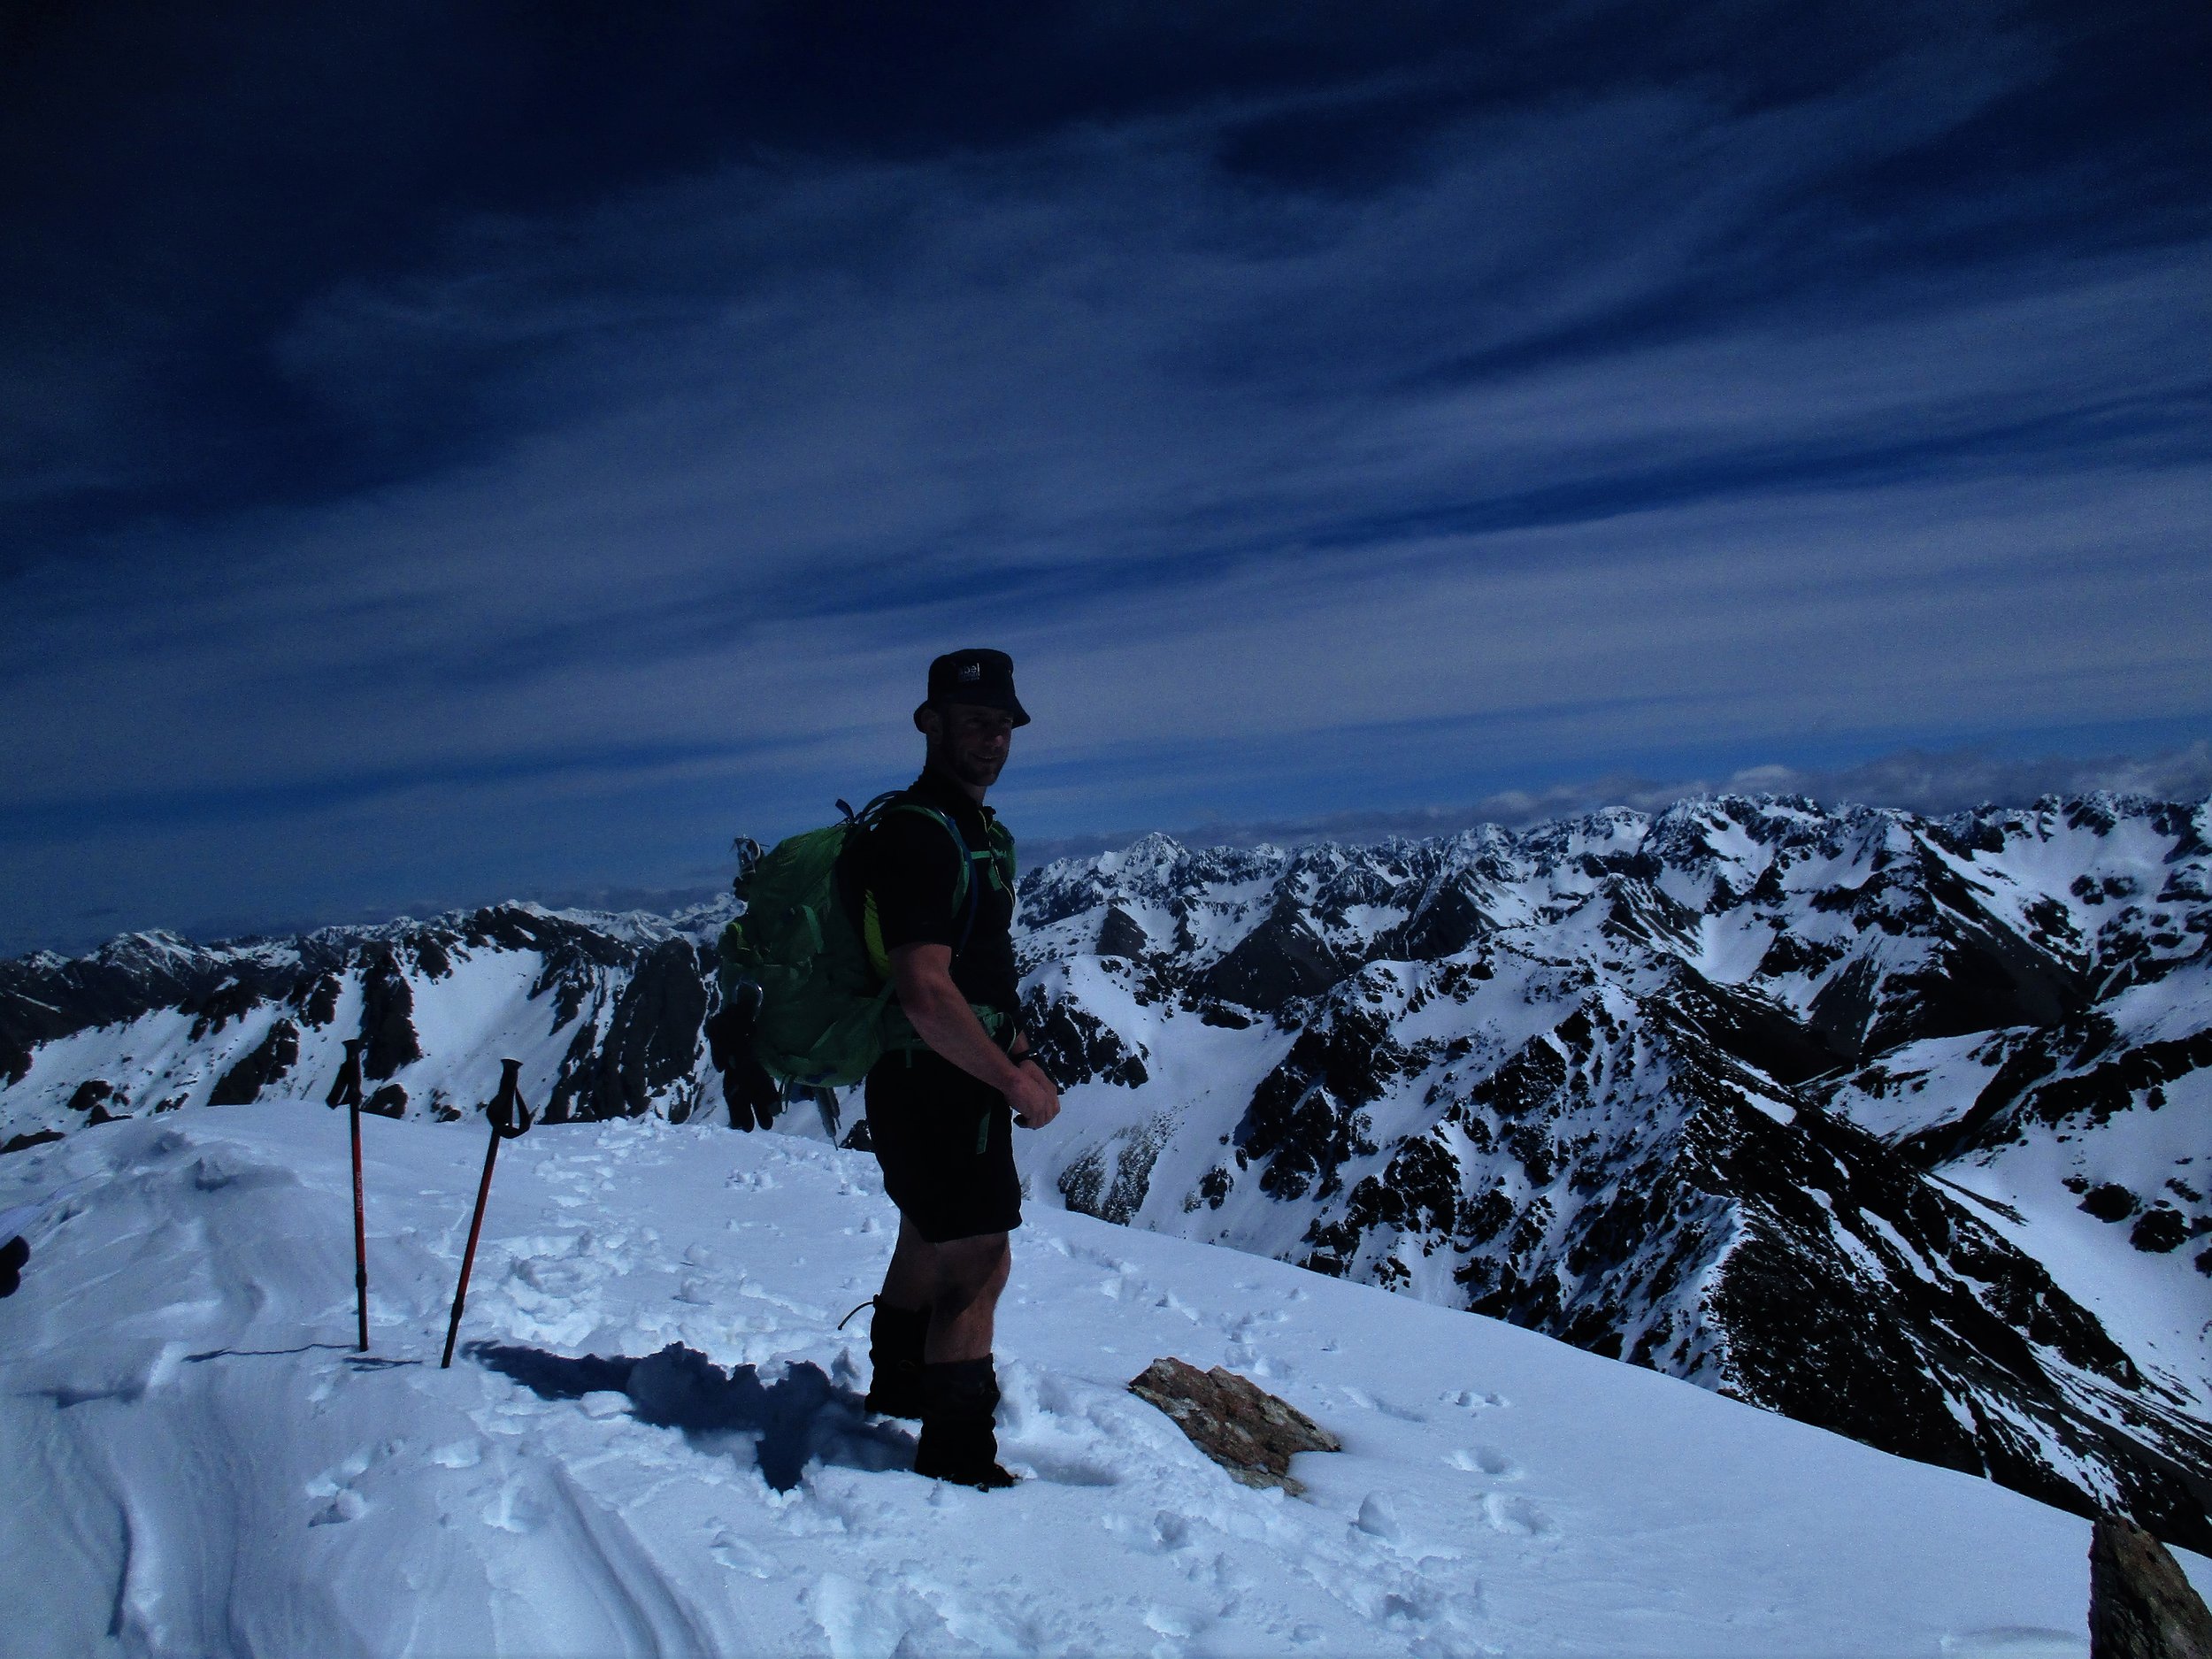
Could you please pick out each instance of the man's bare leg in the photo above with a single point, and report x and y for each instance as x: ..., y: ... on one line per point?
x: 910, y: 1282
x: 971, y: 1273
x: 959, y: 1283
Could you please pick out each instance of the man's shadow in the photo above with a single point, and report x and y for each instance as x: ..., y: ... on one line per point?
x: 801, y: 1417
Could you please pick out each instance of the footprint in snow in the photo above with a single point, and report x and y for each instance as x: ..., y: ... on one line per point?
x: 1515, y: 1515
x: 1485, y: 1460
x: 1377, y: 1518
x: 1169, y: 1301
x: 1170, y: 1532
x: 335, y: 1485
x: 348, y: 1505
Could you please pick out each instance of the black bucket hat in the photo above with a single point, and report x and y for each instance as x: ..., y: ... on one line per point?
x: 981, y: 677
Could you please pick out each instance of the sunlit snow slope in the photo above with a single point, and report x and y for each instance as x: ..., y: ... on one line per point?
x: 652, y: 1442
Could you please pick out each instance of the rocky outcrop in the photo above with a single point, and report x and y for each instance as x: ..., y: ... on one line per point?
x: 388, y: 1008
x: 1075, y: 1046
x: 315, y: 996
x: 93, y: 1094
x: 1303, y: 1126
x: 231, y: 1000
x: 272, y: 1058
x: 1239, y: 1424
x: 652, y: 1043
x: 1285, y: 958
x: 2141, y: 1606
x: 1121, y: 935
x: 1112, y: 1182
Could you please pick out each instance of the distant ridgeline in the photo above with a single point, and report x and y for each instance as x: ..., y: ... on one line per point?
x: 1899, y: 1125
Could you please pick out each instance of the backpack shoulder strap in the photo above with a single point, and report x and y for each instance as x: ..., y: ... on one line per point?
x: 967, y: 886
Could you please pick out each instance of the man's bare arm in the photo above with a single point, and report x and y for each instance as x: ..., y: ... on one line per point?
x: 922, y: 976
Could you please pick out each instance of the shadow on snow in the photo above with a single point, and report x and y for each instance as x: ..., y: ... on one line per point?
x: 801, y: 1417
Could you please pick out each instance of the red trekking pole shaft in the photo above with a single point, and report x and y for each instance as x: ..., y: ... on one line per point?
x: 509, y: 1119
x: 347, y: 1090
x: 360, y: 1234
x: 468, y: 1257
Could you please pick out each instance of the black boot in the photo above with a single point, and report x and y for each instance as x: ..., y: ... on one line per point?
x: 958, y: 1441
x: 894, y: 1359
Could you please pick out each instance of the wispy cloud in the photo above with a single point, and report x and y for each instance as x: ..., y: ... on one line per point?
x: 1315, y: 442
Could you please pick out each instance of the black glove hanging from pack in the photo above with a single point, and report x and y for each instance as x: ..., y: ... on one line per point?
x: 753, y: 1098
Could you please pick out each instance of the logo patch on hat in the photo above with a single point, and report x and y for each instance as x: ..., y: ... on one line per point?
x: 983, y: 678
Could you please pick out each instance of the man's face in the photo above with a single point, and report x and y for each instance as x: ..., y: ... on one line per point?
x: 971, y: 741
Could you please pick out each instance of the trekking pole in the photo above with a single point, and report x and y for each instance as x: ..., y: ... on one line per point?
x: 347, y: 1092
x: 509, y: 1119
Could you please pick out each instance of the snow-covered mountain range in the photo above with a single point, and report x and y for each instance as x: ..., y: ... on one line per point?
x: 1901, y: 1126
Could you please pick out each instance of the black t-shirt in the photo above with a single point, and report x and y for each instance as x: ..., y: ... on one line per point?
x: 909, y: 870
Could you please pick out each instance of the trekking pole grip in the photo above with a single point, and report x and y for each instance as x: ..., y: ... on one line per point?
x: 345, y: 1088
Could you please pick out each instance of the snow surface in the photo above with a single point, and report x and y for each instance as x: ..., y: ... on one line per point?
x: 197, y: 1462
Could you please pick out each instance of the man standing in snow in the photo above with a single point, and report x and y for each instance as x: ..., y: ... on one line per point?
x: 935, y: 890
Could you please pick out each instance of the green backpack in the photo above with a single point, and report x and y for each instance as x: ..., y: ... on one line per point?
x: 820, y: 972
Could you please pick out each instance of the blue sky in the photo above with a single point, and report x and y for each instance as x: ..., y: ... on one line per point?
x: 448, y: 454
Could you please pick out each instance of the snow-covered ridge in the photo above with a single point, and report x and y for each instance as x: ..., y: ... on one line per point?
x: 652, y: 1441
x: 1884, y: 1122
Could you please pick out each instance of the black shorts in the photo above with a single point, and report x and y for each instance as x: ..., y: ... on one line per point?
x: 945, y: 1142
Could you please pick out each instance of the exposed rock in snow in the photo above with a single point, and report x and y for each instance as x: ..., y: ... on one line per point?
x: 2142, y: 1604
x: 276, y: 1054
x: 1235, y: 1422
